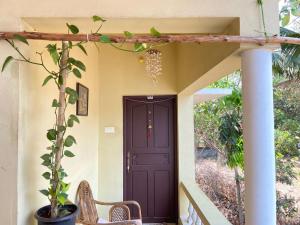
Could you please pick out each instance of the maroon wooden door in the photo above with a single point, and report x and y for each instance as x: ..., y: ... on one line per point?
x: 150, y: 174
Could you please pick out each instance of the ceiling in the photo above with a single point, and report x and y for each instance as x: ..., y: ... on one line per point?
x: 134, y: 25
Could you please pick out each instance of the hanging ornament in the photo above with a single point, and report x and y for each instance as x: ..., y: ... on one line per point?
x: 153, y: 64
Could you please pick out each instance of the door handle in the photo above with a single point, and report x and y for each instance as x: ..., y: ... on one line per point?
x: 128, y: 162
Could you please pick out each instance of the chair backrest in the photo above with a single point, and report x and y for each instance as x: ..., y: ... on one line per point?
x: 119, y: 213
x: 85, y: 201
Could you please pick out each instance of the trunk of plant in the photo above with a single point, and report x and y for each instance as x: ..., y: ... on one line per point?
x: 238, y: 194
x: 60, y: 122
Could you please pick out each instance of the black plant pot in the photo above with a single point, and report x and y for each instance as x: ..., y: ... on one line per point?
x: 42, y: 216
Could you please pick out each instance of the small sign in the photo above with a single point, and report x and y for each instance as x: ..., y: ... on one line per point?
x: 109, y: 130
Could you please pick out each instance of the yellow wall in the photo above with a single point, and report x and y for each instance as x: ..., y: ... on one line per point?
x: 122, y: 74
x: 36, y: 116
x: 9, y: 106
x: 197, y: 59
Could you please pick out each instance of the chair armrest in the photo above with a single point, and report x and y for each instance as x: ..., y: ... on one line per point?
x: 124, y: 222
x: 135, y: 203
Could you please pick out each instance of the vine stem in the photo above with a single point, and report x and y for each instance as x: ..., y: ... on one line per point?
x: 261, y: 6
x: 24, y: 59
x: 60, y: 122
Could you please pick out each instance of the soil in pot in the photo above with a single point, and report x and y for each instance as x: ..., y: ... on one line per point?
x: 67, y: 215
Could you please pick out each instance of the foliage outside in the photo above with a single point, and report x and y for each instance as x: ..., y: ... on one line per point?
x: 218, y: 123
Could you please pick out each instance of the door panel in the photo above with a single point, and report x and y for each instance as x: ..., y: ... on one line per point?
x: 139, y: 122
x: 139, y: 186
x: 162, y: 199
x: 150, y: 175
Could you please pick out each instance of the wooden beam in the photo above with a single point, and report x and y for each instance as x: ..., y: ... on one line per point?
x: 168, y: 38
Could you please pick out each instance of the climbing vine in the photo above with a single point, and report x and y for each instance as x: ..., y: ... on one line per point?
x: 60, y: 141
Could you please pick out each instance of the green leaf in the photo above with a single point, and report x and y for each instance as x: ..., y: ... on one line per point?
x: 46, y: 175
x: 21, y: 38
x: 70, y: 44
x: 61, y: 174
x: 55, y: 103
x: 62, y: 198
x: 72, y: 99
x: 70, y: 140
x: 76, y: 72
x: 45, y: 192
x: 285, y: 17
x: 138, y: 47
x: 82, y: 48
x: 154, y: 32
x: 46, y: 163
x: 51, y: 192
x: 128, y: 34
x: 71, y: 120
x: 68, y: 153
x: 73, y: 117
x: 98, y: 18
x: 6, y: 61
x: 46, y: 157
x: 70, y: 123
x: 77, y: 63
x: 51, y: 134
x: 105, y: 39
x: 70, y: 91
x: 73, y: 96
x: 52, y: 49
x: 73, y: 28
x: 47, y: 79
x: 65, y: 187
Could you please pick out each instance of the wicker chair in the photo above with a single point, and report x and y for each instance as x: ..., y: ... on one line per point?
x: 119, y: 213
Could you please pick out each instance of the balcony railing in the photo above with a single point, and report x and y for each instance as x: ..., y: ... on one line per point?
x: 201, y: 211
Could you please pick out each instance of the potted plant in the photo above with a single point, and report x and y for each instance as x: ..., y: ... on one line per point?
x: 58, y: 211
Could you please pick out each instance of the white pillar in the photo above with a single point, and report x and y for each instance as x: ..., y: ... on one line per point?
x: 258, y: 131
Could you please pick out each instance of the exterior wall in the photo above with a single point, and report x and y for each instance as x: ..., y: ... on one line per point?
x: 36, y: 117
x: 9, y: 85
x: 110, y: 75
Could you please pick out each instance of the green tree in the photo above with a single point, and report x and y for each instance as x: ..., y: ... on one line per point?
x: 224, y: 119
x: 218, y: 124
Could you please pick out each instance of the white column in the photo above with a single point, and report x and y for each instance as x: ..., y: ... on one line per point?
x: 258, y: 131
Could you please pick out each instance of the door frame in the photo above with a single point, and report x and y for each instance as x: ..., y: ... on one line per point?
x: 136, y: 97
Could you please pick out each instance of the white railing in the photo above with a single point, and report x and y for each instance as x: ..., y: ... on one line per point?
x: 200, y: 211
